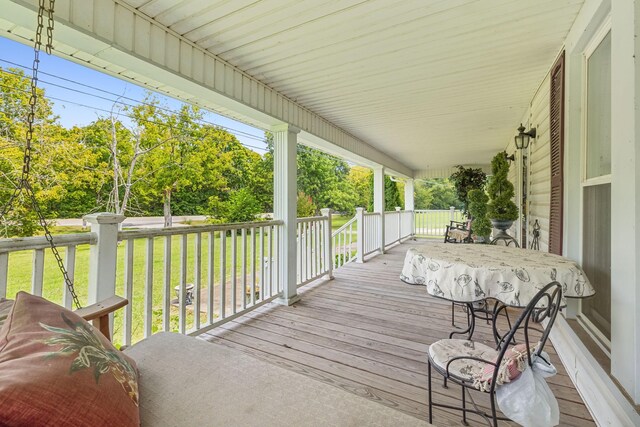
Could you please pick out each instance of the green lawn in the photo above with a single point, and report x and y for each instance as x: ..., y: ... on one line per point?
x: 338, y: 221
x: 20, y: 272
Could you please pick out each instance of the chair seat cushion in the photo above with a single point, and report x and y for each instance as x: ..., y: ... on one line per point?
x: 466, y: 370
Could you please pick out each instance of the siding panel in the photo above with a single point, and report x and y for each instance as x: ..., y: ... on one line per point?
x: 539, y: 172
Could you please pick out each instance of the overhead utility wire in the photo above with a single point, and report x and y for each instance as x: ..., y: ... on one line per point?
x: 120, y: 113
x: 243, y: 133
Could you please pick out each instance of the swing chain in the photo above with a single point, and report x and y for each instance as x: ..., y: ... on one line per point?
x: 24, y: 184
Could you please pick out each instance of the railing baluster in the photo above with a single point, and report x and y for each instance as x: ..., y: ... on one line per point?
x: 182, y: 303
x: 234, y: 273
x: 198, y: 281
x: 270, y: 261
x: 299, y: 254
x: 70, y: 266
x: 38, y: 272
x: 253, y: 266
x: 128, y: 292
x: 315, y: 268
x: 223, y: 273
x: 211, y: 278
x: 261, y: 260
x: 244, y: 268
x: 148, y: 294
x: 4, y: 273
x: 278, y: 253
x: 307, y: 253
x: 166, y: 308
x: 350, y: 253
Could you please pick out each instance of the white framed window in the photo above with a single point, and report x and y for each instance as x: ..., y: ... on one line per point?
x: 595, y: 312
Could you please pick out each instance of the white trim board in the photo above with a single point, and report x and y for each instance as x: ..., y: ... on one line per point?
x: 606, y: 403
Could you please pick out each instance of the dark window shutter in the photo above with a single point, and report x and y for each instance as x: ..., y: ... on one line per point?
x: 556, y: 117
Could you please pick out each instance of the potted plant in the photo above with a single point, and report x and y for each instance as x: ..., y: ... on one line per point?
x: 480, y: 224
x: 465, y: 180
x: 501, y: 209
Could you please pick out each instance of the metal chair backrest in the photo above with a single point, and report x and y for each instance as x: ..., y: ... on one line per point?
x: 543, y: 306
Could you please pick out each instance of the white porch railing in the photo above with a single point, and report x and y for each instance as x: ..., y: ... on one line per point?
x: 208, y: 275
x: 188, y: 279
x: 313, y: 260
x: 433, y: 222
x: 371, y: 239
x: 344, y: 243
x: 38, y: 246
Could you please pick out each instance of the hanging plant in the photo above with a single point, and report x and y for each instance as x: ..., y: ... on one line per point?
x: 501, y: 191
x: 465, y: 180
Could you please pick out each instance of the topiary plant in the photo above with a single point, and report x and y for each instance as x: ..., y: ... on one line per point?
x: 481, y: 225
x: 501, y: 191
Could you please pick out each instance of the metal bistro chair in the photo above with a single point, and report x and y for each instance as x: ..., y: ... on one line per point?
x: 458, y: 232
x: 462, y: 361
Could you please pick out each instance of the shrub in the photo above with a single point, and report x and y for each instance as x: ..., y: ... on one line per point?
x: 306, y: 207
x: 242, y: 206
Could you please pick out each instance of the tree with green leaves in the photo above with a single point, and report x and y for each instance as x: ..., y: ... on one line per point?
x: 59, y: 164
x: 320, y: 176
x: 360, y: 179
x: 436, y: 193
x: 391, y: 194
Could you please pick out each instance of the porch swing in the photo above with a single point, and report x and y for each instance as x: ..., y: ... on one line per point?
x: 97, y: 313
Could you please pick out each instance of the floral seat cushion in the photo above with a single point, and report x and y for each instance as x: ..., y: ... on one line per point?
x: 476, y: 372
x: 466, y: 370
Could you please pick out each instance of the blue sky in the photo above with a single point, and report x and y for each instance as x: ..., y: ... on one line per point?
x: 73, y: 92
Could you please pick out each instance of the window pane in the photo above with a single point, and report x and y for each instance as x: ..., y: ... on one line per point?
x: 599, y: 110
x: 596, y: 255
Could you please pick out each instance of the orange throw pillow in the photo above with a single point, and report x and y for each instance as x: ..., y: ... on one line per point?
x: 56, y: 369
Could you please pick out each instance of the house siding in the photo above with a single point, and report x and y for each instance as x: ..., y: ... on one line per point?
x: 539, y: 179
x: 538, y: 168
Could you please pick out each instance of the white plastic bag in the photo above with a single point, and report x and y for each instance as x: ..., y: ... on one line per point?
x: 528, y: 400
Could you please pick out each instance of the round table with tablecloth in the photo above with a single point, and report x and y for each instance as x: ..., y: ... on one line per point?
x: 474, y: 272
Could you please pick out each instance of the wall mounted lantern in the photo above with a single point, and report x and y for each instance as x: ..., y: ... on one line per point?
x: 522, y: 139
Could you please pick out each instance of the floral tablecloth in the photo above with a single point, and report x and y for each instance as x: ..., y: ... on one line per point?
x: 472, y: 272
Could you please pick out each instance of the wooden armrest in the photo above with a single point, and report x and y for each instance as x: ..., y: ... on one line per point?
x: 102, y: 308
x: 99, y: 312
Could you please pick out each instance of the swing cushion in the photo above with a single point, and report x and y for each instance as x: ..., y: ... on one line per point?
x: 57, y: 369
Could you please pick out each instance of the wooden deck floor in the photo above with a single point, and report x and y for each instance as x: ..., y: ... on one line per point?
x: 368, y: 333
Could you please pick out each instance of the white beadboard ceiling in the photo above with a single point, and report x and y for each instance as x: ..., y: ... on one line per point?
x: 433, y: 83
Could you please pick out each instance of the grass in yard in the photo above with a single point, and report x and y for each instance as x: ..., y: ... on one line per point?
x: 338, y: 221
x: 20, y: 273
x: 21, y: 265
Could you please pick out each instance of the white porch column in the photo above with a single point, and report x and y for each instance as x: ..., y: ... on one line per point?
x: 285, y: 138
x: 378, y: 202
x: 328, y: 243
x: 103, y: 255
x: 361, y: 234
x: 625, y: 195
x: 409, y: 203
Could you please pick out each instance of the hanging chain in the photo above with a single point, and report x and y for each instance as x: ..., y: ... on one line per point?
x: 24, y: 184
